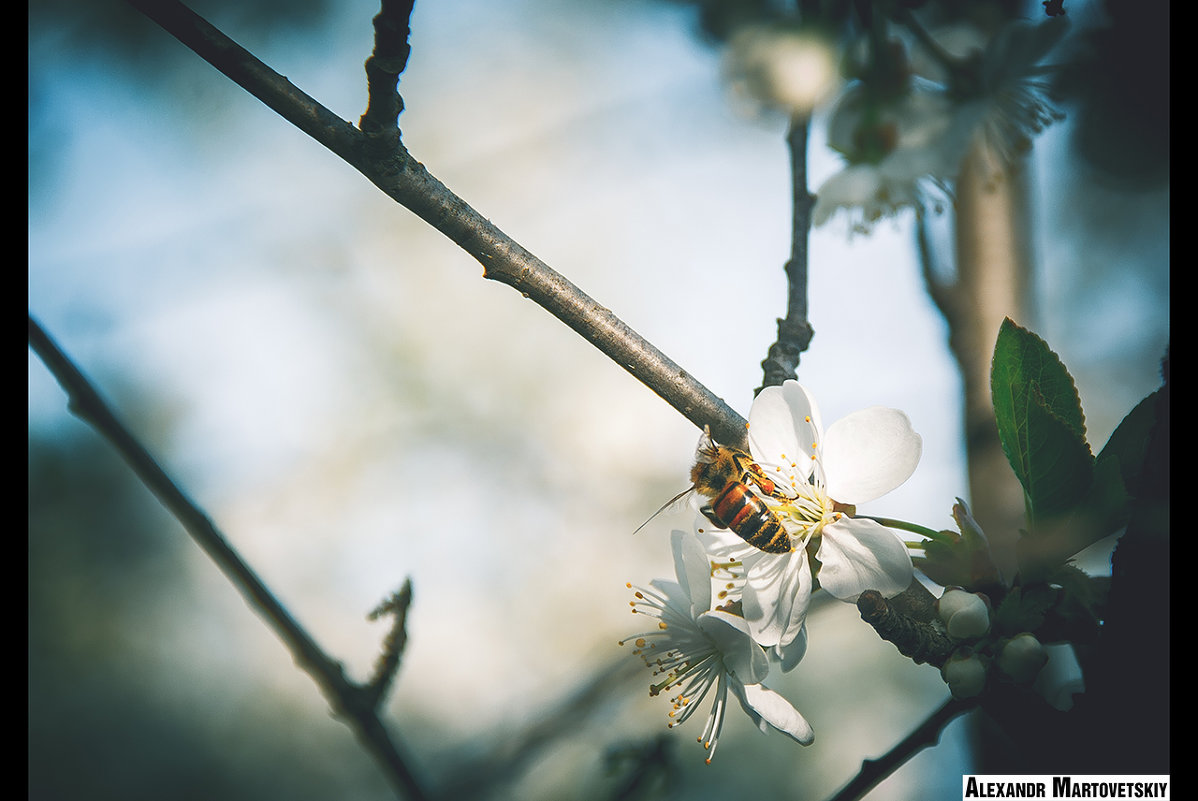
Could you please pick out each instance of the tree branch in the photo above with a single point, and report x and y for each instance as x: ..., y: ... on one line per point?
x: 874, y: 771
x: 794, y: 331
x: 353, y: 704
x: 383, y: 68
x: 405, y: 180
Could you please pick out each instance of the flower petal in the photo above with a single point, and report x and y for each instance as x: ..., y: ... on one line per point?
x: 765, y: 706
x: 868, y: 453
x: 742, y: 657
x: 784, y: 425
x: 693, y: 569
x: 776, y: 595
x: 792, y: 653
x: 857, y: 554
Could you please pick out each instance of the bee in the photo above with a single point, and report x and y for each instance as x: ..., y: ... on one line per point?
x: 724, y: 476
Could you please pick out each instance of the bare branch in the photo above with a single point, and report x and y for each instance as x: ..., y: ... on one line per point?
x: 354, y: 705
x: 794, y: 331
x: 383, y: 68
x: 515, y: 754
x: 406, y: 180
x: 874, y: 771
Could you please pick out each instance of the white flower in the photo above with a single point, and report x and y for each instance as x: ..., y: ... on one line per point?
x: 906, y: 152
x: 698, y: 650
x: 819, y: 478
x: 781, y: 67
x: 896, y: 161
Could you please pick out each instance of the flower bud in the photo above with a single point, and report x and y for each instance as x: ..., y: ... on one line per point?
x: 964, y: 673
x: 966, y: 615
x: 1022, y: 658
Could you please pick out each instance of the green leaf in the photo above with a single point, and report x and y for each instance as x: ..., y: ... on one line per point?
x: 1040, y: 422
x: 1129, y: 442
x: 1023, y: 609
x: 1107, y: 504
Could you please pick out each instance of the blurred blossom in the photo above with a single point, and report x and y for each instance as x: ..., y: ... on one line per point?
x: 905, y: 151
x: 1011, y: 100
x: 896, y: 151
x: 789, y: 69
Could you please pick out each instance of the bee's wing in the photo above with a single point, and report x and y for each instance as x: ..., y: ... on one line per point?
x: 665, y: 506
x: 705, y: 451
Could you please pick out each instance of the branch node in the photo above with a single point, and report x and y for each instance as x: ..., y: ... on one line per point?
x: 919, y: 640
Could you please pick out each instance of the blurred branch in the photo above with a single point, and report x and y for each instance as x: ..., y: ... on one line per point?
x: 874, y: 771
x: 388, y: 662
x: 794, y: 331
x: 405, y: 180
x: 355, y: 705
x: 508, y: 762
x: 986, y: 280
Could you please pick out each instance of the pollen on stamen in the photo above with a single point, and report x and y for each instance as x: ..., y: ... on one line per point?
x: 662, y: 625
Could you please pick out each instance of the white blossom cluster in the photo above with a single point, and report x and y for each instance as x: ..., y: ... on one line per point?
x: 707, y: 643
x: 903, y: 147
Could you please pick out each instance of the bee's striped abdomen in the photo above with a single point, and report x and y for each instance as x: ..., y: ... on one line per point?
x: 738, y: 509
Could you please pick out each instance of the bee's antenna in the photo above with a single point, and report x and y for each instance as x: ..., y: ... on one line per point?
x: 665, y: 506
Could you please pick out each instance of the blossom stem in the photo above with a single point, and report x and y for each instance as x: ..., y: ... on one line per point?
x: 915, y: 528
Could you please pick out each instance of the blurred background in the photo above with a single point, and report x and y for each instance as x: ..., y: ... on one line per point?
x: 330, y: 379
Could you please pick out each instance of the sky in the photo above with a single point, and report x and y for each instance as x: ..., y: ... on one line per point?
x: 331, y: 380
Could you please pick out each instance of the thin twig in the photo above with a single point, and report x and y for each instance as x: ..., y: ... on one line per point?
x: 351, y: 703
x: 405, y: 180
x: 514, y: 754
x: 387, y: 664
x: 794, y: 330
x: 874, y: 771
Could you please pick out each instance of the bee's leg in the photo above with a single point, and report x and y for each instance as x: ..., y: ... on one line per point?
x: 758, y: 477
